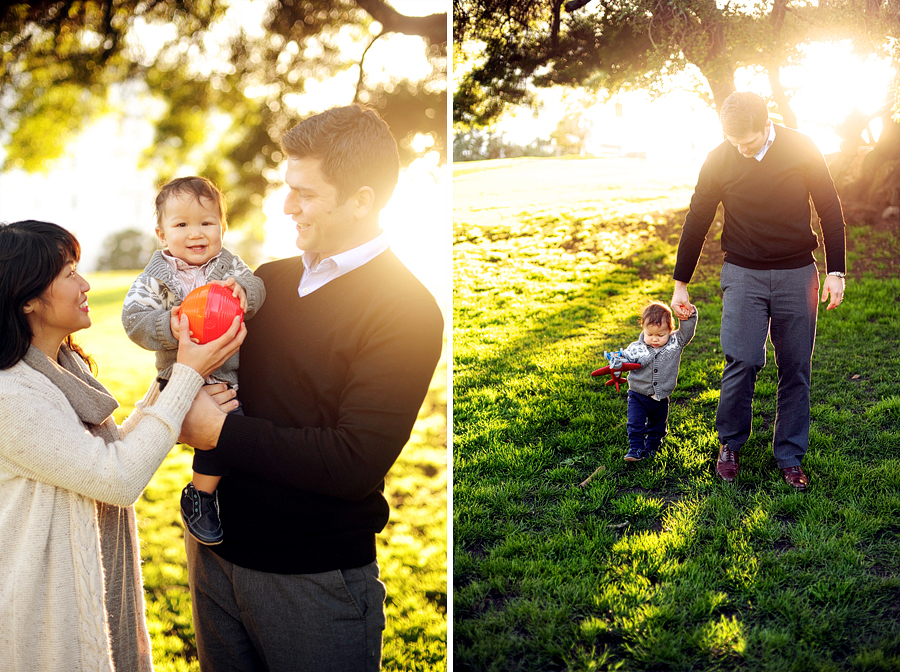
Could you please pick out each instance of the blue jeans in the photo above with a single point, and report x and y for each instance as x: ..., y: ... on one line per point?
x: 647, y: 422
x: 781, y: 305
x: 250, y: 620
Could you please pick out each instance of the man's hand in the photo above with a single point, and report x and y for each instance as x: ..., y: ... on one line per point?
x: 203, y: 423
x: 681, y: 302
x: 833, y: 286
x: 236, y: 290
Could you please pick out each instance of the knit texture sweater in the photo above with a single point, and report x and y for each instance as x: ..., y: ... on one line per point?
x: 331, y: 385
x: 767, y: 214
x: 53, y: 472
x: 148, y: 307
x: 658, y: 374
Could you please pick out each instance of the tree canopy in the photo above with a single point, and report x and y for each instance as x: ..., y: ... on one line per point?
x: 615, y: 44
x: 512, y: 49
x: 61, y: 59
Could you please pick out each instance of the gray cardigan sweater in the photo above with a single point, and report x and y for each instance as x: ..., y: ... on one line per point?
x: 149, y: 302
x: 659, y: 366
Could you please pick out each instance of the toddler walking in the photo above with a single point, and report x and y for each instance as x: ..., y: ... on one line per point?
x: 658, y: 351
x: 190, y: 224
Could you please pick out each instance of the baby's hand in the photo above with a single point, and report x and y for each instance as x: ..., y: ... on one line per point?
x: 175, y: 324
x: 236, y: 290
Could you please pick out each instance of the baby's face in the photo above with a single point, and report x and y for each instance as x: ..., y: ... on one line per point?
x: 656, y: 335
x: 191, y: 228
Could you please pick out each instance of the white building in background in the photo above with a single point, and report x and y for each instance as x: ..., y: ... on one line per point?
x: 96, y: 188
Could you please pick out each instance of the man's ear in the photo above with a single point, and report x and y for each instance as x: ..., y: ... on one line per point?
x: 364, y: 202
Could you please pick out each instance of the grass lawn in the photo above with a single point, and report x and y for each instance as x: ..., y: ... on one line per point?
x: 412, y: 550
x: 658, y: 565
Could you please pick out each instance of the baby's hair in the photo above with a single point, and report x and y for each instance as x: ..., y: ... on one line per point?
x: 199, y: 187
x: 657, y: 314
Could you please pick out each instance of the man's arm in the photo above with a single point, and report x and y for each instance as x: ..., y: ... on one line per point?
x: 385, y: 387
x: 828, y: 208
x: 704, y: 203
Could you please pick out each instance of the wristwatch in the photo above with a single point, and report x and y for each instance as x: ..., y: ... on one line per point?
x: 837, y: 274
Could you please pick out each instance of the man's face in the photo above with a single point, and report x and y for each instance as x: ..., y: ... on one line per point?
x: 324, y: 226
x: 748, y: 145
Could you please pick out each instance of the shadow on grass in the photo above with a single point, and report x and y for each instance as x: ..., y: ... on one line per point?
x: 658, y: 565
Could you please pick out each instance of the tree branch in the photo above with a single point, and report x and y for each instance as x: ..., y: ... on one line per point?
x: 573, y: 5
x: 433, y: 27
x: 362, y: 60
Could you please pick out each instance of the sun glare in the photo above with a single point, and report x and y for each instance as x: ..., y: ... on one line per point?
x: 831, y: 83
x: 415, y: 220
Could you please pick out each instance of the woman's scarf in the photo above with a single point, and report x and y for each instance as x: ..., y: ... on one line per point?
x: 94, y: 406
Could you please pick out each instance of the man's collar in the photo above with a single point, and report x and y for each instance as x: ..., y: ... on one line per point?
x: 351, y: 259
x: 769, y: 140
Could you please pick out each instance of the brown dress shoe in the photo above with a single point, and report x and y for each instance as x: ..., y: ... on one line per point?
x: 795, y: 477
x: 727, y: 465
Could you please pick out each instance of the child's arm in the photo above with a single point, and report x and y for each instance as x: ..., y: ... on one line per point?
x: 253, y: 287
x: 146, y: 314
x: 637, y: 353
x: 686, y: 328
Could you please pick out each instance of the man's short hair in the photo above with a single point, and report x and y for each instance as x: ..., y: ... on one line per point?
x: 355, y: 147
x: 743, y: 113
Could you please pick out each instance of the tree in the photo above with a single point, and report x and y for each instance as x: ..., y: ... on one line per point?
x: 616, y: 44
x: 515, y: 48
x: 572, y: 132
x: 126, y: 250
x: 61, y: 58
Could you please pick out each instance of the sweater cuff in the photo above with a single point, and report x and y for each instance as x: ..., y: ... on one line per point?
x: 238, y: 439
x: 181, y: 390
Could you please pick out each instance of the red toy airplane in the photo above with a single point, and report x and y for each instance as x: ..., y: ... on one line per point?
x: 615, y: 368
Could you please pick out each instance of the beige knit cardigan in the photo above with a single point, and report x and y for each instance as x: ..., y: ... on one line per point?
x: 52, y: 473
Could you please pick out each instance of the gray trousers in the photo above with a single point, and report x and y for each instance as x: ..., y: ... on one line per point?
x: 781, y: 305
x: 249, y: 620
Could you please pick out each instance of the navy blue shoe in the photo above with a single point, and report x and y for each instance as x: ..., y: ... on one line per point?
x: 200, y: 513
x: 637, y: 454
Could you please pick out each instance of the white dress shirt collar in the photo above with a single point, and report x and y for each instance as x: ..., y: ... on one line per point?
x: 328, y: 269
x: 765, y: 148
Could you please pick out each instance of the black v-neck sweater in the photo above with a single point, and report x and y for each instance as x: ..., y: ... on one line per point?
x: 331, y: 384
x: 767, y: 214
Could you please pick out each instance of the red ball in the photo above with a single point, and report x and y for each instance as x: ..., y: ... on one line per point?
x: 210, y: 311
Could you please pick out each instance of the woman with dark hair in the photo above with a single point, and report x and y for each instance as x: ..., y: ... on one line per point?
x: 71, y: 596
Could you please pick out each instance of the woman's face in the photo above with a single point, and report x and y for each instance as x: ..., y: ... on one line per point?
x: 61, y: 310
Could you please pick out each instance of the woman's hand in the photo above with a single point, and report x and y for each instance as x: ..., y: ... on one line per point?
x: 223, y: 395
x: 204, y: 359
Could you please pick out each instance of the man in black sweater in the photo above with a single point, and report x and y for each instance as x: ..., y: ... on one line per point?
x: 331, y: 382
x: 764, y: 177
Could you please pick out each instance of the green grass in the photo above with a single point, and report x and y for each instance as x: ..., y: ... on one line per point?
x: 412, y: 550
x: 658, y: 565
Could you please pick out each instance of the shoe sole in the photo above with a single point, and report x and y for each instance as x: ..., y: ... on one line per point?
x: 199, y: 540
x: 633, y: 459
x: 725, y: 478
